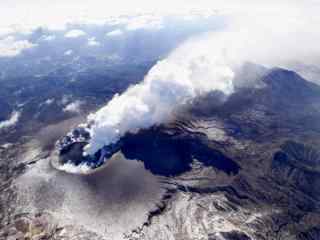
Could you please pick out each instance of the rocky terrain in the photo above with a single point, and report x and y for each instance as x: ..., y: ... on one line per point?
x: 244, y: 168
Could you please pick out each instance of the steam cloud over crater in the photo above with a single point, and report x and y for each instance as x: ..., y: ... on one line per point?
x: 169, y: 84
x: 207, y: 63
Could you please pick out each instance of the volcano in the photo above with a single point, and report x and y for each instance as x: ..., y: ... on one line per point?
x: 245, y: 166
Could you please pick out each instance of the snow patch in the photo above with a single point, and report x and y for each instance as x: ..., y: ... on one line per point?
x: 11, y: 121
x: 74, y: 107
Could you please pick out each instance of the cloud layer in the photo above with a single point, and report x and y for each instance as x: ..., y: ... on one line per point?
x: 10, y: 47
x: 75, y: 33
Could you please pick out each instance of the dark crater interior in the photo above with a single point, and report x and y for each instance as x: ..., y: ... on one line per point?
x: 169, y: 154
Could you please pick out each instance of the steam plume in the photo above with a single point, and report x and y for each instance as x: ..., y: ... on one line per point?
x: 201, y: 65
x: 170, y: 83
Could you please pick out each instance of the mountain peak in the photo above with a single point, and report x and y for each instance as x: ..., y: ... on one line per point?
x: 288, y: 84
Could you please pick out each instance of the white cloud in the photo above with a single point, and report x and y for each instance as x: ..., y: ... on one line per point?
x: 149, y: 22
x: 6, y: 31
x: 11, y: 121
x: 74, y: 107
x: 10, y: 29
x: 65, y: 99
x: 114, y: 33
x: 48, y: 38
x: 56, y: 14
x: 68, y: 52
x: 49, y: 101
x: 117, y: 20
x: 75, y: 33
x: 93, y: 42
x: 18, y: 15
x: 10, y: 47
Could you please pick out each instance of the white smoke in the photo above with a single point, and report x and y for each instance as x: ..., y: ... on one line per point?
x: 201, y: 65
x: 172, y: 82
x: 71, y: 168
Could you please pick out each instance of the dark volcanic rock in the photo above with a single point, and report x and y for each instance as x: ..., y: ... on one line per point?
x: 310, y: 234
x: 298, y: 165
x: 171, y: 153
